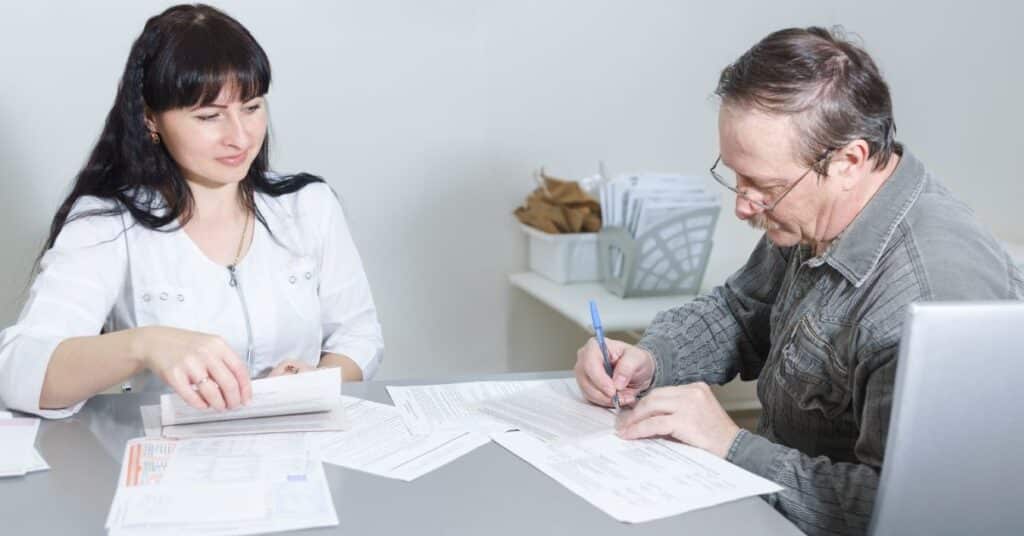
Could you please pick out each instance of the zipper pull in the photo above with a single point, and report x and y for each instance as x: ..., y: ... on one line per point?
x: 234, y: 280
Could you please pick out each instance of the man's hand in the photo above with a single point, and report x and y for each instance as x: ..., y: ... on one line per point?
x: 633, y: 369
x: 688, y: 413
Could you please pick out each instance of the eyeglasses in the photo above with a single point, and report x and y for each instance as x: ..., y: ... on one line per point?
x: 745, y: 193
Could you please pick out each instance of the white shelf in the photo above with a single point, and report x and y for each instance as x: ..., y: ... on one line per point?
x: 571, y: 301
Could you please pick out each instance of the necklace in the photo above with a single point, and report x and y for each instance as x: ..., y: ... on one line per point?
x: 238, y: 252
x: 241, y: 241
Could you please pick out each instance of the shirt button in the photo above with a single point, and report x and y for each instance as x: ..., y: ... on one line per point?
x: 292, y: 279
x: 146, y: 297
x: 181, y: 297
x: 163, y: 296
x: 309, y: 275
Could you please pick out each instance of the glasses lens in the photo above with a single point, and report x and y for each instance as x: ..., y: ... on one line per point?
x: 725, y: 176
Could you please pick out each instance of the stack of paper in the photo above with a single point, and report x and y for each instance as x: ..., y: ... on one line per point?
x: 18, y: 454
x: 548, y: 424
x: 452, y: 406
x: 641, y: 203
x: 226, y: 485
x: 379, y: 443
x: 291, y: 403
x: 574, y: 443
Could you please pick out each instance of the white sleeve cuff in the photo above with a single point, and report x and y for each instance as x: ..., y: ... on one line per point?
x: 24, y: 359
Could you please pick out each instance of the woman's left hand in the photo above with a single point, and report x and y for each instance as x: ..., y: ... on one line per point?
x: 290, y: 366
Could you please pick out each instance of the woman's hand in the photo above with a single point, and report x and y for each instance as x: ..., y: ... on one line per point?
x: 290, y: 366
x: 201, y: 368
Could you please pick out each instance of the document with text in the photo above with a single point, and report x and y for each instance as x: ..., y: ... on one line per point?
x: 379, y: 443
x: 224, y: 485
x: 554, y: 410
x: 639, y: 480
x: 453, y: 405
x: 307, y: 402
x: 309, y: 392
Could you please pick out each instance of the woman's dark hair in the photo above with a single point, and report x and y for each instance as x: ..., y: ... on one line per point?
x: 830, y: 86
x: 183, y: 58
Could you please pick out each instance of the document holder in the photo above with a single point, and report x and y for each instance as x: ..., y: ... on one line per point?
x: 667, y: 259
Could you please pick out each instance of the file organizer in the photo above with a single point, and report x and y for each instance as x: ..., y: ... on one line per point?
x: 669, y: 258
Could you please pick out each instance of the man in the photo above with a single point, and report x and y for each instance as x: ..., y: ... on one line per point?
x: 855, y: 229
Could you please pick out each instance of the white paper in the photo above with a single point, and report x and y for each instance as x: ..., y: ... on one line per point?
x: 324, y: 421
x: 640, y: 480
x: 552, y: 411
x: 426, y: 408
x: 379, y: 443
x: 288, y: 394
x: 224, y: 485
x: 37, y: 464
x: 17, y: 445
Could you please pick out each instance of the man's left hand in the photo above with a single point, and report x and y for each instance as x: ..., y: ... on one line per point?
x: 688, y: 413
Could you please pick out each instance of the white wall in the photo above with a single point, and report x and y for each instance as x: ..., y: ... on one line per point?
x: 429, y: 116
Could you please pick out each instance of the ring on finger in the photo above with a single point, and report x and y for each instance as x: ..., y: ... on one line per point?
x: 195, y: 386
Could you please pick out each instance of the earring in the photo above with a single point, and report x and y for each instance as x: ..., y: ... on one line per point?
x: 154, y: 137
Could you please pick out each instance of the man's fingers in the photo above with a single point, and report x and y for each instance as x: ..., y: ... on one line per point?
x: 626, y: 369
x: 660, y: 425
x: 616, y: 349
x: 651, y: 407
x: 594, y: 394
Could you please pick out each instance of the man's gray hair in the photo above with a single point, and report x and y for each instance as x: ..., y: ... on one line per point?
x: 830, y: 86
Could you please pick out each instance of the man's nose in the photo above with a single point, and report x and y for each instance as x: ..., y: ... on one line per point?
x: 745, y: 208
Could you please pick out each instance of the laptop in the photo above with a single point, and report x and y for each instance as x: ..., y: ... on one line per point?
x: 954, y: 457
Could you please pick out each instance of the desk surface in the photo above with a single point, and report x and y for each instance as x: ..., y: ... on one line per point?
x: 617, y: 314
x: 488, y: 491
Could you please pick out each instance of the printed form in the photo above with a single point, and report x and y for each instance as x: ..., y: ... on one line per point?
x: 225, y: 485
x: 379, y: 443
x: 574, y: 442
x: 304, y: 402
x: 453, y: 405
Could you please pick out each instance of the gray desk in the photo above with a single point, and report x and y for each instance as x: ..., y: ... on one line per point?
x: 488, y: 491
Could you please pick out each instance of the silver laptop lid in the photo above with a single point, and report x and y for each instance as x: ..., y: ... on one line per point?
x: 954, y: 457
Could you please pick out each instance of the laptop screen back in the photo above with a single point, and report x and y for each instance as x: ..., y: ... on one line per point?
x: 954, y: 457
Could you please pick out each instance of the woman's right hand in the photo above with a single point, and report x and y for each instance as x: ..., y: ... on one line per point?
x: 202, y: 368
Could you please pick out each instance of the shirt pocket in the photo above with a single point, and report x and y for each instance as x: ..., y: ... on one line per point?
x: 812, y: 372
x: 299, y: 281
x: 165, y: 305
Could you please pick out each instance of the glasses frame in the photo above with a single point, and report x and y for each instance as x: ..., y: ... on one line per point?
x: 768, y: 207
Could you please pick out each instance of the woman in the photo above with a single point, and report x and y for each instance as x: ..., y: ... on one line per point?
x: 177, y: 256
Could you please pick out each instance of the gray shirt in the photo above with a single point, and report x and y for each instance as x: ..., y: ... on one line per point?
x: 821, y: 335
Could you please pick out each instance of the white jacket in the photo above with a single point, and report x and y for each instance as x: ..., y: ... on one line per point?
x: 301, y: 292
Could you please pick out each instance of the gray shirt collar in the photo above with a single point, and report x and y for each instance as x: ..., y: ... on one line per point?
x: 856, y: 251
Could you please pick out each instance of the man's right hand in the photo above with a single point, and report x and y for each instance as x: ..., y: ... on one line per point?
x: 202, y: 368
x: 633, y: 369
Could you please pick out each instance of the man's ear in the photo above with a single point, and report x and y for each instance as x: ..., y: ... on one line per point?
x: 849, y: 162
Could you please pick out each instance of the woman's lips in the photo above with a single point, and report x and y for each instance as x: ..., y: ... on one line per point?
x: 232, y: 160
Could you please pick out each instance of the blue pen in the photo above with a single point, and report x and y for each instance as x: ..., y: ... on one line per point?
x: 595, y: 319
